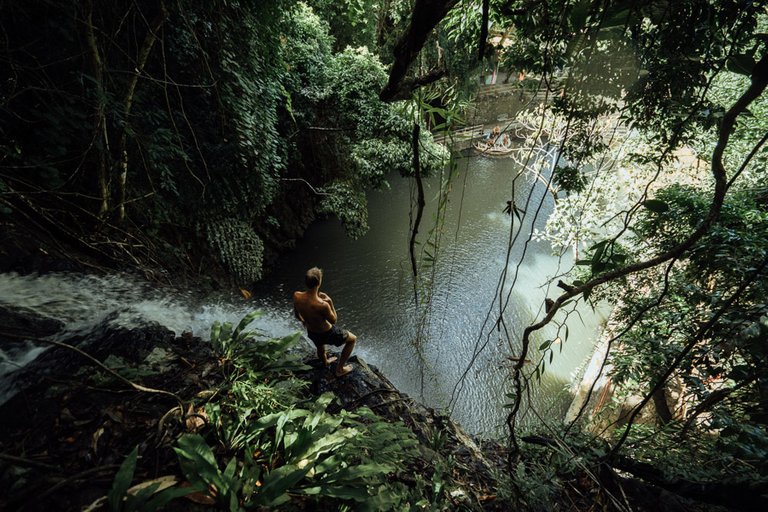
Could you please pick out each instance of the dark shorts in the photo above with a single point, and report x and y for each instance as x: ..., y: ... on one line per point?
x: 335, y: 336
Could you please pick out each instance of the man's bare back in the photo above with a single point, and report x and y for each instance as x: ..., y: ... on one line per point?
x: 315, y: 310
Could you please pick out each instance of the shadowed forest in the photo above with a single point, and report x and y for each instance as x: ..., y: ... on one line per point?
x: 190, y: 146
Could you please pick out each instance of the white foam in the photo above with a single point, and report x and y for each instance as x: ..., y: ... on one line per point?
x: 82, y: 302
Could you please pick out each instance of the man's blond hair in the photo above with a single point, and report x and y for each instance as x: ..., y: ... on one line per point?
x: 313, y: 277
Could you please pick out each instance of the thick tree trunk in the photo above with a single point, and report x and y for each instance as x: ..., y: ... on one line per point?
x: 425, y: 16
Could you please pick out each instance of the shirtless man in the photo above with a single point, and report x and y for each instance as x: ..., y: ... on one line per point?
x: 314, y: 309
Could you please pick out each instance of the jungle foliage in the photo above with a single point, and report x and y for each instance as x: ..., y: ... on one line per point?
x: 633, y: 86
x: 172, y: 129
x: 260, y: 440
x: 187, y: 122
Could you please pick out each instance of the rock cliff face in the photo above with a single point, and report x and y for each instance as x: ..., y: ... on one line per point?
x: 62, y: 437
x: 367, y: 386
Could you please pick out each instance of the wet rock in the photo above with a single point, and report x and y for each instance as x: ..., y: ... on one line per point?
x: 70, y: 415
x: 22, y: 322
x: 132, y: 344
x: 72, y: 412
x: 366, y: 386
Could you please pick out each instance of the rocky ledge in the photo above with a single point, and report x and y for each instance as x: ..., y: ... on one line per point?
x: 70, y: 423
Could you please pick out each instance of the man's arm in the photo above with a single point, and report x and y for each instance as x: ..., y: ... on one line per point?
x: 331, y: 312
x: 296, y: 311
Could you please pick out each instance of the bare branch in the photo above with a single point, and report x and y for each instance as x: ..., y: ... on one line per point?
x: 314, y: 190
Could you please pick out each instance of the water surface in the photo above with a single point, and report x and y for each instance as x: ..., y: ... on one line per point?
x: 455, y: 358
x: 452, y: 357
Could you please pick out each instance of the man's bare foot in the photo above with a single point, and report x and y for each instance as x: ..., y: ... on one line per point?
x: 343, y: 371
x: 329, y: 360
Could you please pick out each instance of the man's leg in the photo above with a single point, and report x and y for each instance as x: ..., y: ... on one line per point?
x: 342, y: 368
x: 323, y: 356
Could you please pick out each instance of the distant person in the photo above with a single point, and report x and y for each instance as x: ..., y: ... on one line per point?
x: 314, y: 309
x: 493, y: 137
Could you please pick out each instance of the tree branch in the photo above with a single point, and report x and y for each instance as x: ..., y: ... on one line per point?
x: 144, y: 51
x: 745, y: 496
x: 100, y: 114
x: 684, y: 352
x: 756, y: 88
x: 420, y: 199
x: 483, y: 31
x: 425, y: 16
x: 408, y: 85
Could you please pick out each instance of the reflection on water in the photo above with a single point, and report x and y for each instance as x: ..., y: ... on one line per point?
x: 460, y: 354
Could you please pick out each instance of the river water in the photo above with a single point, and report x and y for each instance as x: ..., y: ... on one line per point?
x: 454, y: 360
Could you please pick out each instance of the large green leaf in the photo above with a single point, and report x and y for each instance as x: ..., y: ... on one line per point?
x: 277, y: 482
x: 359, y: 473
x: 122, y: 481
x: 245, y: 322
x: 197, y: 461
x: 162, y: 498
x: 344, y: 492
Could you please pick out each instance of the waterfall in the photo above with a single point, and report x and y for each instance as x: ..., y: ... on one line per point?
x: 81, y: 302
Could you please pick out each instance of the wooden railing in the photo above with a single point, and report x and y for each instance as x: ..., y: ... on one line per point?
x: 462, y: 135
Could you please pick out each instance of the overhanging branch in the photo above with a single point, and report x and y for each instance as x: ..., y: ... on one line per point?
x: 744, y: 495
x: 425, y: 16
x: 408, y: 85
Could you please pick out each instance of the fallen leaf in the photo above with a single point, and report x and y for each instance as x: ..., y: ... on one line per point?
x: 197, y: 496
x: 202, y: 499
x: 162, y: 482
x: 95, y: 439
x: 196, y: 419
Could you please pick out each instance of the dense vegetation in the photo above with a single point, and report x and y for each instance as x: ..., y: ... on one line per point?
x: 182, y: 130
x: 635, y: 87
x: 187, y: 129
